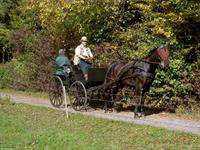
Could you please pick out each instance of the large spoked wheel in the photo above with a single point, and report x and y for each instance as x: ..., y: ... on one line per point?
x: 78, y: 96
x: 56, y: 91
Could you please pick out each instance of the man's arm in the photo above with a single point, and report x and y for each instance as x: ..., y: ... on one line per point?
x: 90, y: 53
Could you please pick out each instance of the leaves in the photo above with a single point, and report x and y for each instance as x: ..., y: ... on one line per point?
x: 127, y: 29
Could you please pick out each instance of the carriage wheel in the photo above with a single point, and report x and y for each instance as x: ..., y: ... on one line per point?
x: 56, y: 91
x: 78, y: 96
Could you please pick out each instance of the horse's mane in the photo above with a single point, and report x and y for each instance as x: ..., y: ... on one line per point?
x: 123, y: 59
x: 151, y: 52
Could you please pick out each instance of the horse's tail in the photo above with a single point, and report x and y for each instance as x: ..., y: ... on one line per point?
x: 109, y: 72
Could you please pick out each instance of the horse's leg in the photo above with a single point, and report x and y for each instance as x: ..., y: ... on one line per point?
x: 139, y: 105
x: 138, y: 93
x: 114, y: 95
x: 142, y: 104
x: 136, y: 109
x: 106, y: 100
x: 109, y: 101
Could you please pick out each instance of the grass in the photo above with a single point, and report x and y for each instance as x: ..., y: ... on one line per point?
x: 193, y: 113
x: 180, y: 112
x: 26, y: 93
x: 27, y: 127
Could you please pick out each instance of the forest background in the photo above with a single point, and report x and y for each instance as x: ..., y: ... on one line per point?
x: 32, y: 32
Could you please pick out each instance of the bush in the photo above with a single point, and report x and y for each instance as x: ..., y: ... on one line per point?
x: 20, y: 71
x: 3, y: 77
x: 178, y: 85
x: 33, y: 61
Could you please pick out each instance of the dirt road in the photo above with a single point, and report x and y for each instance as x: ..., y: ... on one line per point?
x: 176, y: 124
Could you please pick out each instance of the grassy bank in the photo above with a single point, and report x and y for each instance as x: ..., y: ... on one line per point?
x: 28, y: 127
x: 26, y: 93
x: 180, y: 112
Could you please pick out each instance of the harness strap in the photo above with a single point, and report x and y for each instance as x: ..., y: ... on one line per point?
x: 103, y: 86
x: 150, y: 62
x: 126, y: 68
x: 149, y: 75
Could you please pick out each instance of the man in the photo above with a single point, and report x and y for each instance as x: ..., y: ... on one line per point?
x: 61, y: 62
x: 82, y: 56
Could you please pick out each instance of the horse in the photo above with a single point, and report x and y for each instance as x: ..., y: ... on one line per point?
x: 137, y: 76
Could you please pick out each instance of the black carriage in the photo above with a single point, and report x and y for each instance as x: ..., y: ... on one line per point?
x: 78, y: 90
x: 82, y: 92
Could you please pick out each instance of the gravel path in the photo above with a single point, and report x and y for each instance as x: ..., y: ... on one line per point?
x: 175, y: 124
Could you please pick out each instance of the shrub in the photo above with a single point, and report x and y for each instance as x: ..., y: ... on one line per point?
x: 3, y: 77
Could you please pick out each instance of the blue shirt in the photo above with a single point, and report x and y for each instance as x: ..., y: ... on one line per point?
x: 61, y: 61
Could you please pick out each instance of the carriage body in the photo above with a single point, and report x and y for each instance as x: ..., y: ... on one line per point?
x: 73, y: 84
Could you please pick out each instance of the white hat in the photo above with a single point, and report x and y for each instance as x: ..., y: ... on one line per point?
x: 84, y: 38
x: 61, y: 51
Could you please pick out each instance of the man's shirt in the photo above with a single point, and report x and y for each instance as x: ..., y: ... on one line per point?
x: 84, y: 51
x: 81, y: 51
x: 61, y: 61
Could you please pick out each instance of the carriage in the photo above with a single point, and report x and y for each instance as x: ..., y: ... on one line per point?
x: 104, y: 84
x: 79, y: 91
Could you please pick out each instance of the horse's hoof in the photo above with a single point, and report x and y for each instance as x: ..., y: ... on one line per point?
x: 141, y: 115
x: 115, y: 110
x: 136, y: 116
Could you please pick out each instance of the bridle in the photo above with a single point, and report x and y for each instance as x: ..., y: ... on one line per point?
x: 162, y: 57
x: 150, y: 62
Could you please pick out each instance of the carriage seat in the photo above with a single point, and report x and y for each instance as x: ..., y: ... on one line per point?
x: 97, y: 74
x: 78, y: 73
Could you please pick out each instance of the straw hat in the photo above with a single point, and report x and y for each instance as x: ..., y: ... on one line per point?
x: 84, y: 39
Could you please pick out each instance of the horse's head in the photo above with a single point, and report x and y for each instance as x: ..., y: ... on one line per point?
x: 158, y: 56
x: 163, y: 55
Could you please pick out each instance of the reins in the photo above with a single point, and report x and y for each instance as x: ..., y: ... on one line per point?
x: 150, y: 62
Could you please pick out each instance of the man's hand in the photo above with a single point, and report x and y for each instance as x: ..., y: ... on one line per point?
x: 86, y: 57
x: 89, y: 58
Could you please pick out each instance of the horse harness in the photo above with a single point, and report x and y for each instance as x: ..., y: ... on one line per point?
x: 131, y: 66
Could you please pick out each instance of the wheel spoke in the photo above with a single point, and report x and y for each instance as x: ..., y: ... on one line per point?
x: 56, y: 91
x: 78, y: 95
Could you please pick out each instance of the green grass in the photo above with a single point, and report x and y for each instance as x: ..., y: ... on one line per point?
x: 180, y: 112
x: 28, y: 127
x: 26, y: 93
x: 192, y: 113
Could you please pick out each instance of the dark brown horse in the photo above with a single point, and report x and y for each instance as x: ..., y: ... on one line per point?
x: 136, y: 76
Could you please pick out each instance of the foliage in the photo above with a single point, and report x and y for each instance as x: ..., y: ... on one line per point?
x: 29, y: 70
x: 7, y: 8
x: 3, y: 77
x: 20, y: 71
x: 127, y: 29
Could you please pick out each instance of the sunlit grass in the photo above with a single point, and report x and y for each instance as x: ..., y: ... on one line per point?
x: 192, y: 113
x: 26, y: 93
x: 24, y: 126
x: 180, y: 112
